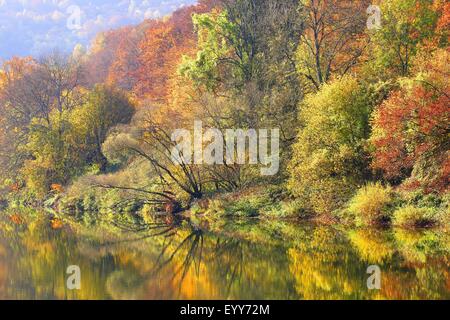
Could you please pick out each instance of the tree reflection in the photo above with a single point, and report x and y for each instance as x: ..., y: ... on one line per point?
x: 181, y: 259
x: 191, y: 249
x: 230, y: 254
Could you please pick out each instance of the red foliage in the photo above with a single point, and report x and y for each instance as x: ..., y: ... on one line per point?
x: 443, y: 24
x: 414, y: 125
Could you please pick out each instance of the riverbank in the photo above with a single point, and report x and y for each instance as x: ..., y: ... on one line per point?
x: 375, y: 205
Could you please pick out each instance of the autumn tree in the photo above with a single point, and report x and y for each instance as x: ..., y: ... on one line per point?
x: 103, y: 53
x: 17, y: 109
x: 149, y: 138
x: 333, y: 40
x: 405, y: 27
x: 330, y: 158
x: 246, y: 53
x: 54, y: 156
x: 410, y: 135
x: 104, y: 108
x: 123, y: 71
x: 147, y: 55
x: 55, y: 128
x: 33, y: 94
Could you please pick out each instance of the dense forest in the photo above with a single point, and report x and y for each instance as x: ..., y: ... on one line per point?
x: 362, y: 107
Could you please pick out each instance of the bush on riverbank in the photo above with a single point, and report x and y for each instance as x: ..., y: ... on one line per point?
x: 378, y: 205
x: 414, y: 217
x: 371, y: 205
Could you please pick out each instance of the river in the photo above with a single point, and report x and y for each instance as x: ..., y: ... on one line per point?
x: 241, y: 259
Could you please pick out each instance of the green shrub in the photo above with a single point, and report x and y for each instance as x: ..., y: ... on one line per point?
x: 246, y: 206
x: 277, y: 192
x: 90, y: 218
x: 414, y: 217
x: 275, y: 211
x: 251, y: 206
x: 243, y: 209
x: 90, y: 202
x: 371, y: 204
x: 420, y: 199
x: 295, y: 208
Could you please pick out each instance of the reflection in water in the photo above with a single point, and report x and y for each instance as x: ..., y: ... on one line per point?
x: 245, y: 260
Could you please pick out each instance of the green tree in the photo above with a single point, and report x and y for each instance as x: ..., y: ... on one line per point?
x: 405, y: 25
x: 245, y: 52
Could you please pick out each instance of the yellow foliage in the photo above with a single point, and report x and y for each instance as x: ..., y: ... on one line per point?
x: 328, y: 158
x: 369, y: 205
x: 372, y: 246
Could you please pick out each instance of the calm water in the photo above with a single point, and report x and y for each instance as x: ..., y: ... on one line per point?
x: 239, y: 260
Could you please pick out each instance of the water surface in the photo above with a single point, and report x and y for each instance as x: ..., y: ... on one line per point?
x: 227, y: 260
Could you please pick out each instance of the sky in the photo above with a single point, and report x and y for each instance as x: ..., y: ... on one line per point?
x: 35, y: 27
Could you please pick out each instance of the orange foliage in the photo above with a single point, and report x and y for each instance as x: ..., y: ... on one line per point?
x: 15, y: 187
x: 16, y: 218
x: 443, y: 24
x: 123, y: 71
x: 147, y: 56
x: 55, y: 187
x: 15, y: 68
x: 102, y: 55
x: 56, y: 224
